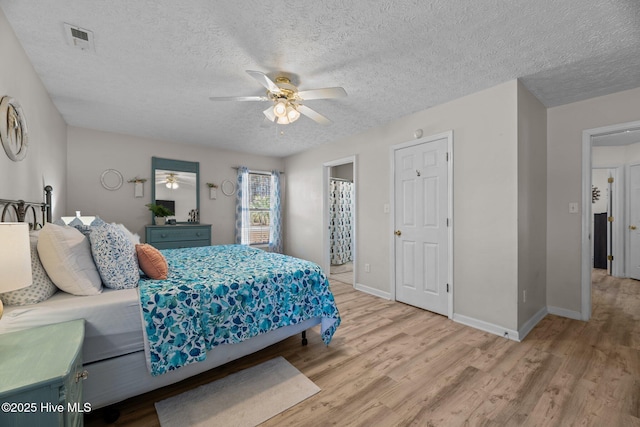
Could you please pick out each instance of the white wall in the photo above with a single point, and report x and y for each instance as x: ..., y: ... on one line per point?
x: 564, y: 184
x: 343, y: 172
x: 532, y: 206
x: 46, y: 156
x: 485, y: 156
x: 91, y: 152
x: 615, y: 156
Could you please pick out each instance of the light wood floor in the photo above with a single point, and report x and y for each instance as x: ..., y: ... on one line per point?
x: 390, y: 364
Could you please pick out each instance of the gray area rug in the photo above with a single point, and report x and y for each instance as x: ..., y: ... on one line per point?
x: 245, y: 398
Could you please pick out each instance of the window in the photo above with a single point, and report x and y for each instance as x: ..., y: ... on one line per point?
x: 258, y: 215
x: 259, y: 205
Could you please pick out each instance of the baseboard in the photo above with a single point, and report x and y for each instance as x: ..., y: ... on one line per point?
x: 558, y: 311
x: 487, y: 327
x: 531, y: 323
x: 373, y: 291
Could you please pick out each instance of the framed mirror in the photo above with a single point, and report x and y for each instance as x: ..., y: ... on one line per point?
x: 176, y: 184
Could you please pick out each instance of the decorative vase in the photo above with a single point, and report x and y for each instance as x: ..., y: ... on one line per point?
x: 160, y: 220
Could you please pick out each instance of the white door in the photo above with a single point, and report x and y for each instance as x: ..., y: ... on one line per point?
x: 421, y: 212
x: 634, y: 222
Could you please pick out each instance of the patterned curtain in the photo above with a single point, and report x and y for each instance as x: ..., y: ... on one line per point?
x: 275, y: 217
x: 242, y: 207
x: 340, y: 221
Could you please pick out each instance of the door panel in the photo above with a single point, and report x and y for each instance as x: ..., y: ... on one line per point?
x: 421, y: 248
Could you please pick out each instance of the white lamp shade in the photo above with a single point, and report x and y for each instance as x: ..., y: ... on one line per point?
x: 15, y: 256
x: 280, y: 109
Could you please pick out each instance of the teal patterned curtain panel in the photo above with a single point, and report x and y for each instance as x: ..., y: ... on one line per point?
x: 275, y: 226
x: 340, y: 221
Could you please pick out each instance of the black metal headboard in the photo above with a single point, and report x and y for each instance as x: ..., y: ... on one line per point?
x: 18, y: 210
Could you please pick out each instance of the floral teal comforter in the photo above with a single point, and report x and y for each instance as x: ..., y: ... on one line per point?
x: 226, y: 294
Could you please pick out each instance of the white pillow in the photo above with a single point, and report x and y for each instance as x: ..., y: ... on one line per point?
x: 65, y: 254
x: 134, y: 238
x: 41, y: 287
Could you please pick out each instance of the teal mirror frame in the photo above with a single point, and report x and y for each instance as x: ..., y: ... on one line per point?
x: 177, y: 166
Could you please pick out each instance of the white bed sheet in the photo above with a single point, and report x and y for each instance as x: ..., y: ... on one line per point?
x: 112, y: 320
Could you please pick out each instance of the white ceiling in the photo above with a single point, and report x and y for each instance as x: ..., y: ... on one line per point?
x: 156, y: 62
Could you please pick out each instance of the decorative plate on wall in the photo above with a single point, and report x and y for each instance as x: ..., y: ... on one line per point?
x: 111, y: 179
x: 228, y: 188
x: 13, y: 129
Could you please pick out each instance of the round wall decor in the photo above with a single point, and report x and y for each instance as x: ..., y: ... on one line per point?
x: 13, y: 129
x: 111, y: 179
x: 228, y: 188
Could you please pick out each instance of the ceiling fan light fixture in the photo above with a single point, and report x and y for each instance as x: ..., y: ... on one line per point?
x: 280, y: 108
x: 268, y: 113
x: 172, y: 181
x: 292, y: 113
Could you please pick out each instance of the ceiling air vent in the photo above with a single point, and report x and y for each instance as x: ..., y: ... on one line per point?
x: 79, y: 37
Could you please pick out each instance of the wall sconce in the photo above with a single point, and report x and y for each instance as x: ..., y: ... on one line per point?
x: 138, y: 186
x: 213, y: 192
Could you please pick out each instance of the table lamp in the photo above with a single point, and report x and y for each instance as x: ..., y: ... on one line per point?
x: 15, y: 257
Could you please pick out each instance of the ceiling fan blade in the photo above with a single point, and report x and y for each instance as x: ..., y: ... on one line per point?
x: 324, y: 93
x: 313, y: 115
x: 265, y: 81
x: 239, y: 98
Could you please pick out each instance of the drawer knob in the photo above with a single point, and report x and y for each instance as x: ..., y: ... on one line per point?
x: 198, y: 234
x: 163, y: 235
x: 82, y: 375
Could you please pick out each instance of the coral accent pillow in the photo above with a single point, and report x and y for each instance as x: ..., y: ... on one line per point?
x: 152, y: 262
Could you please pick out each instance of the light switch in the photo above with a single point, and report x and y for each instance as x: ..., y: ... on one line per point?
x: 573, y: 207
x: 386, y: 208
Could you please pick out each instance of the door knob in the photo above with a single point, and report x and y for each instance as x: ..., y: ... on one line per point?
x: 632, y: 227
x: 398, y: 233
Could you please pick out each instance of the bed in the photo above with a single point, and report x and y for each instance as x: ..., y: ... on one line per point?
x: 217, y: 304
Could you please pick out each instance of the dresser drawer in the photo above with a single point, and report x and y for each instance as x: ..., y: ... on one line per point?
x: 178, y: 236
x: 170, y: 234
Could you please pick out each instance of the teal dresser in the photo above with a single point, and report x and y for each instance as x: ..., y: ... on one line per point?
x: 41, y: 376
x: 178, y: 236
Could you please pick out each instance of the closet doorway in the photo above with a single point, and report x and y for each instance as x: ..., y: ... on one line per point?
x: 340, y: 236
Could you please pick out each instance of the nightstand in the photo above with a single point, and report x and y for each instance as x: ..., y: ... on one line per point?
x: 41, y: 376
x: 178, y: 236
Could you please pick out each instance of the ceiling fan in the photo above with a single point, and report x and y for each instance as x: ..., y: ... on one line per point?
x: 287, y: 100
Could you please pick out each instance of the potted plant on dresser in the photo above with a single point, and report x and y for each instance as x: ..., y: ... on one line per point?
x: 160, y: 212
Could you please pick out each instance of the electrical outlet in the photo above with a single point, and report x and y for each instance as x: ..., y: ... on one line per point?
x: 367, y: 268
x: 573, y: 207
x: 386, y: 208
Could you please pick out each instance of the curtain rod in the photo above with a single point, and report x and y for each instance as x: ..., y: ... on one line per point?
x: 256, y: 171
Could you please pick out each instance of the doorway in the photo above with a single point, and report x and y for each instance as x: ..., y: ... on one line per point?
x: 621, y: 145
x: 607, y: 213
x: 340, y: 219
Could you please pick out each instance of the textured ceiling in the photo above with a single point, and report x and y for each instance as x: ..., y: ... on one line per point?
x: 157, y: 62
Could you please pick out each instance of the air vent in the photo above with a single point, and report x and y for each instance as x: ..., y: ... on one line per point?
x: 79, y: 37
